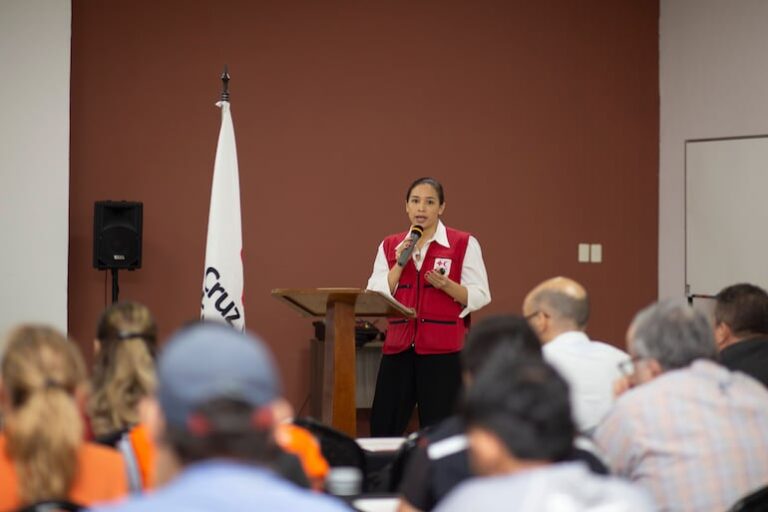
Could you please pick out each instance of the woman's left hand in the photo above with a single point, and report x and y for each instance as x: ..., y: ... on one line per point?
x: 437, y: 279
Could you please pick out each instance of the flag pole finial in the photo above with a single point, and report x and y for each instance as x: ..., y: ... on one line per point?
x: 225, y: 84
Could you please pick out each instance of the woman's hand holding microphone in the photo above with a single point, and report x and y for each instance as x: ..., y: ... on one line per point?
x: 401, y: 247
x: 394, y: 273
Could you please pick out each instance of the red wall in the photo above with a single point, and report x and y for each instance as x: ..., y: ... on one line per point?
x: 541, y: 119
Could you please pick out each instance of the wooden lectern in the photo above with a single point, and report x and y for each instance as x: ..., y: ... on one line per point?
x: 340, y: 306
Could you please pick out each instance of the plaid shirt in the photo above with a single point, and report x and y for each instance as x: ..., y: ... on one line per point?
x: 695, y: 438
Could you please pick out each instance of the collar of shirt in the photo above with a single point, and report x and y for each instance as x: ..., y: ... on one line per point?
x: 223, y: 484
x: 440, y: 236
x: 211, y: 468
x: 712, y: 371
x: 701, y: 371
x: 569, y: 338
x: 745, y: 347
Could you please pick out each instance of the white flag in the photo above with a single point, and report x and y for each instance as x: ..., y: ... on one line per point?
x: 222, y: 298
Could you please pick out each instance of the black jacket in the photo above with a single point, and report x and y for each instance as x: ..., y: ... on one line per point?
x: 749, y: 356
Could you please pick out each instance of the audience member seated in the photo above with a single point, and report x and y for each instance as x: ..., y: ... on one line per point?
x: 216, y: 411
x: 519, y: 423
x: 558, y: 310
x: 691, y: 432
x: 741, y: 329
x: 441, y: 462
x: 124, y: 374
x: 336, y: 448
x: 299, y: 443
x: 43, y: 455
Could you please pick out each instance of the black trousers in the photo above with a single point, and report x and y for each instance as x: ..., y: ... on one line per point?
x: 433, y: 382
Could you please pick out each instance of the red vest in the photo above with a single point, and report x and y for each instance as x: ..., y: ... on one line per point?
x: 437, y: 328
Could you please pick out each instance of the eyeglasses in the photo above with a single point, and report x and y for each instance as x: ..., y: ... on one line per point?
x: 536, y: 313
x: 628, y: 367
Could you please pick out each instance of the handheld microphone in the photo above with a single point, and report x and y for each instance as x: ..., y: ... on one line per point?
x: 413, y: 236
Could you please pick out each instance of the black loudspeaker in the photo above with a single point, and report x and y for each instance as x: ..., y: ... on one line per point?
x: 117, y: 234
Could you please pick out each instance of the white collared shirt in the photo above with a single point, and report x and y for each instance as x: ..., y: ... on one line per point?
x: 473, y: 275
x: 566, y: 486
x: 590, y: 368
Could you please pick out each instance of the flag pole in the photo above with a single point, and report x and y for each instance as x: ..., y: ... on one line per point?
x: 225, y: 84
x: 223, y: 284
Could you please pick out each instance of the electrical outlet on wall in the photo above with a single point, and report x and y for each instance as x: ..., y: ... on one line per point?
x: 596, y: 253
x: 583, y: 253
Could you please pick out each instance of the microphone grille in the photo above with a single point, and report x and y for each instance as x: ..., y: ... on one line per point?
x: 417, y: 231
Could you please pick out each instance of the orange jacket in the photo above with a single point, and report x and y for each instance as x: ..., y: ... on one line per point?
x: 300, y: 442
x: 100, y: 477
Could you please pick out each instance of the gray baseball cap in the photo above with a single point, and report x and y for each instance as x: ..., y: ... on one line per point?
x: 209, y: 361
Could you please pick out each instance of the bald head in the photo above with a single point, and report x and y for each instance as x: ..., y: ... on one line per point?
x: 564, y: 302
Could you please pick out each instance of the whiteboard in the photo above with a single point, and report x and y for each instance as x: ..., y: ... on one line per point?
x: 726, y: 213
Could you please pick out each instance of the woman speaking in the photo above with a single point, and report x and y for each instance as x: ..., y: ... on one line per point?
x: 439, y: 272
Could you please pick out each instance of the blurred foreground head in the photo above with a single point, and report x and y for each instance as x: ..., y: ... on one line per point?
x: 485, y: 338
x: 217, y: 393
x: 518, y: 415
x: 43, y: 376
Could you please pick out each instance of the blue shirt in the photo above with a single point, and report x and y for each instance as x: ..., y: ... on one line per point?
x: 224, y: 486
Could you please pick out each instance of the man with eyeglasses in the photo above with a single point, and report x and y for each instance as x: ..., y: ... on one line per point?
x: 558, y: 310
x: 690, y: 431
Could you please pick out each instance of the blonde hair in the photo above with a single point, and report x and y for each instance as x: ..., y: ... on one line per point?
x: 124, y: 371
x: 41, y: 370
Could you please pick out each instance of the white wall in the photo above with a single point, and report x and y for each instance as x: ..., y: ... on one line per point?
x: 713, y: 83
x: 34, y: 160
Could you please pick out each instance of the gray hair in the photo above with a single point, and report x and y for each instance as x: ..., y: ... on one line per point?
x: 673, y: 333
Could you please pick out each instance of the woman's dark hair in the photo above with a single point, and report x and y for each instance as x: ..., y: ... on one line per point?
x: 512, y: 331
x: 427, y: 181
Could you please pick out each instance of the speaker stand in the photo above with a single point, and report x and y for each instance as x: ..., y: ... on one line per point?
x: 115, y: 286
